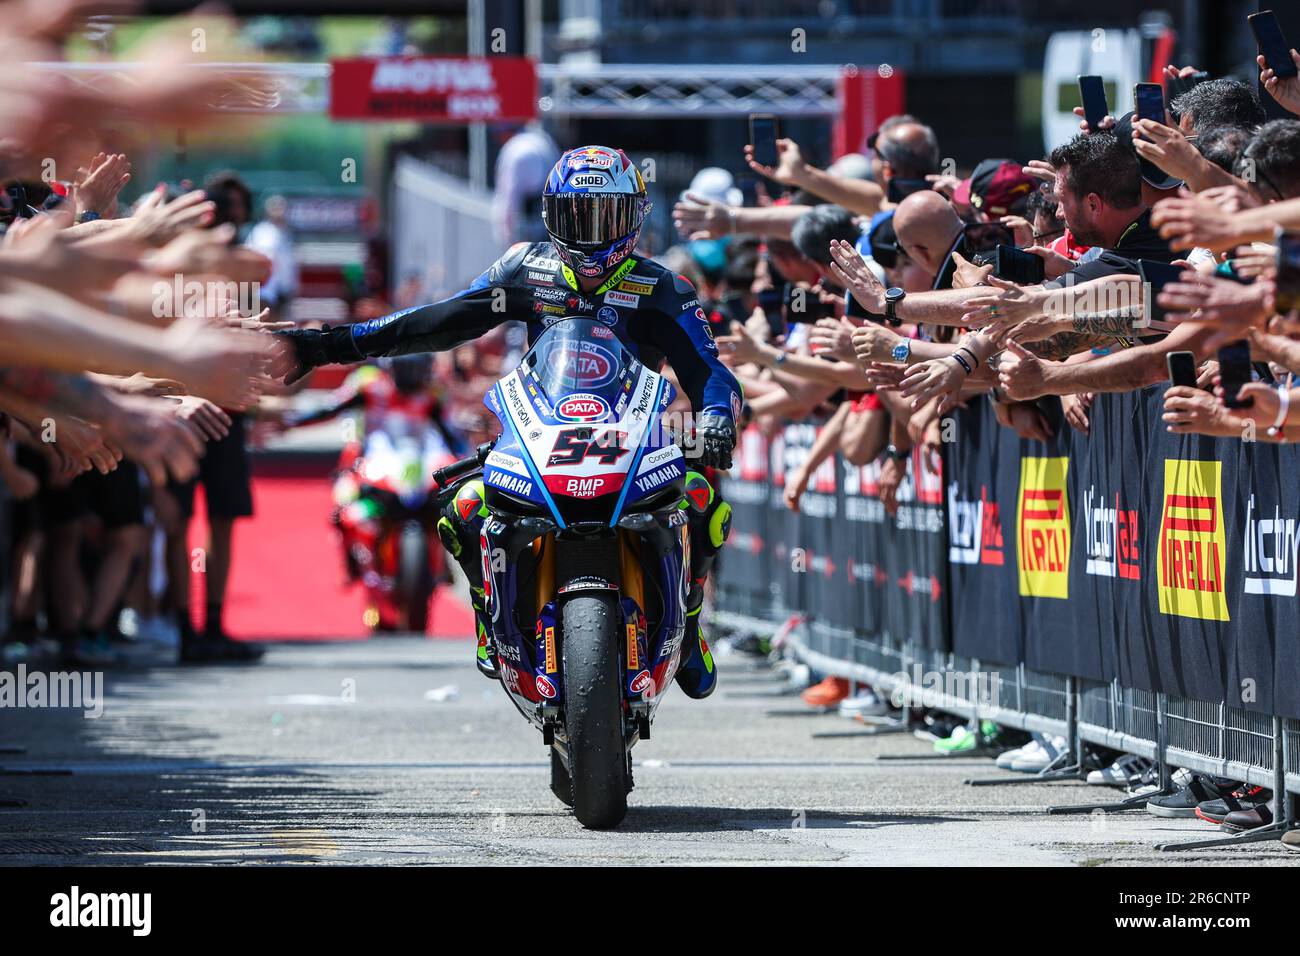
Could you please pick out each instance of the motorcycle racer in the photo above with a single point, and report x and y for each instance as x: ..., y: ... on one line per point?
x: 593, y: 206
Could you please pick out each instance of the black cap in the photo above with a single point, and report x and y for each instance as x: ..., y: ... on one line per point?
x: 1152, y: 174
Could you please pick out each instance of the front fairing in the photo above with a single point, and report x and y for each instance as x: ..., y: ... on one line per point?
x: 582, y: 433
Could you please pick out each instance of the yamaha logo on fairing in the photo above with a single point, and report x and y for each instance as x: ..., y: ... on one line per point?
x: 658, y: 477
x: 582, y: 408
x: 511, y: 483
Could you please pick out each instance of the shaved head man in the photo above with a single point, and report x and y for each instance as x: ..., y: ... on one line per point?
x: 927, y: 227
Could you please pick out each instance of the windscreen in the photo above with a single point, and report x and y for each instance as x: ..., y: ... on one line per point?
x: 579, y: 356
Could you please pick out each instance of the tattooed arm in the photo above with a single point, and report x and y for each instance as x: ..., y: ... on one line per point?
x: 1023, y: 375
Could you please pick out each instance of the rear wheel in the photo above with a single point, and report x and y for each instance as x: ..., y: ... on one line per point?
x: 593, y: 710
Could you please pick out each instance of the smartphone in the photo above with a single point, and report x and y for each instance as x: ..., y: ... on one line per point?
x: 986, y: 237
x: 769, y: 300
x: 1149, y: 101
x: 1288, y: 271
x: 1016, y: 265
x: 1093, y: 93
x: 732, y: 308
x: 1234, y: 372
x: 1182, y: 368
x: 1155, y: 276
x: 763, y: 134
x: 1272, y: 43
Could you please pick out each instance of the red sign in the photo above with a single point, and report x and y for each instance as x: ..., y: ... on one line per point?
x: 434, y: 89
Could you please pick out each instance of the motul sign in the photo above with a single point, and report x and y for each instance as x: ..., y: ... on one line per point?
x: 434, y: 89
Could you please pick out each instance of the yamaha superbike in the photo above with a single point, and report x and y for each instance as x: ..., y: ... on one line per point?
x: 585, y: 554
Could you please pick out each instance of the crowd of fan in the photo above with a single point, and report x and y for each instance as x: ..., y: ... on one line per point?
x: 129, y: 351
x: 808, y: 310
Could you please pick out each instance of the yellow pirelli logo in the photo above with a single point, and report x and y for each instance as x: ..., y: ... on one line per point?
x: 1192, y: 541
x: 633, y: 648
x: 1043, y: 528
x: 550, y: 650
x: 640, y: 288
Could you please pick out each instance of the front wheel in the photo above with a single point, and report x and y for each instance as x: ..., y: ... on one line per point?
x: 593, y: 710
x: 414, y: 582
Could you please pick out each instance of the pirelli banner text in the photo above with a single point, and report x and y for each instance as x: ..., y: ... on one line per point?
x: 1166, y: 561
x: 840, y: 559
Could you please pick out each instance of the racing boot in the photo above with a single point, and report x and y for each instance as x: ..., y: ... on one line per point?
x: 458, y: 529
x: 486, y: 658
x: 697, y: 677
x: 709, y: 524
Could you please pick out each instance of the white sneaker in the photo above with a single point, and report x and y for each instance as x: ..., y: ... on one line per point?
x: 1007, y: 758
x: 1126, y: 769
x: 1049, y: 749
x: 865, y: 704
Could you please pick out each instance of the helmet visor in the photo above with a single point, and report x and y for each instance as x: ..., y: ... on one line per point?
x: 591, y: 220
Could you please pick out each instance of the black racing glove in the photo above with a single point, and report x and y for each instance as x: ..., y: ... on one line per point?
x: 715, y: 437
x: 311, y: 349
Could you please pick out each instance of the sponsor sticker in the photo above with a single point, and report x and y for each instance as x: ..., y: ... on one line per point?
x: 622, y: 299
x: 582, y: 407
x: 582, y: 364
x: 637, y: 285
x: 545, y: 687
x: 633, y: 649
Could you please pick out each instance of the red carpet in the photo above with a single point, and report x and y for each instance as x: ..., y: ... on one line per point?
x: 287, y: 582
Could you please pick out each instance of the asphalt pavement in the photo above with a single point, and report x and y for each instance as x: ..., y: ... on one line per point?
x: 395, y: 751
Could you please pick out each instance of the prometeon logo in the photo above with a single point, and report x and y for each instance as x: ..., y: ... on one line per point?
x: 1043, y: 528
x: 1192, y: 542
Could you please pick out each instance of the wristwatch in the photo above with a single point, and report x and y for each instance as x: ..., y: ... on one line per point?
x: 902, y: 351
x: 88, y: 215
x: 892, y: 452
x: 893, y: 296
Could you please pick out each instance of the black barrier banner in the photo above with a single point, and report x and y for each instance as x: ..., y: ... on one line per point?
x: 1165, y: 561
x: 747, y: 575
x: 839, y: 558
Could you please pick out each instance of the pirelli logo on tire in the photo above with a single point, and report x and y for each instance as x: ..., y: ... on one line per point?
x: 1192, y: 541
x: 1043, y: 528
